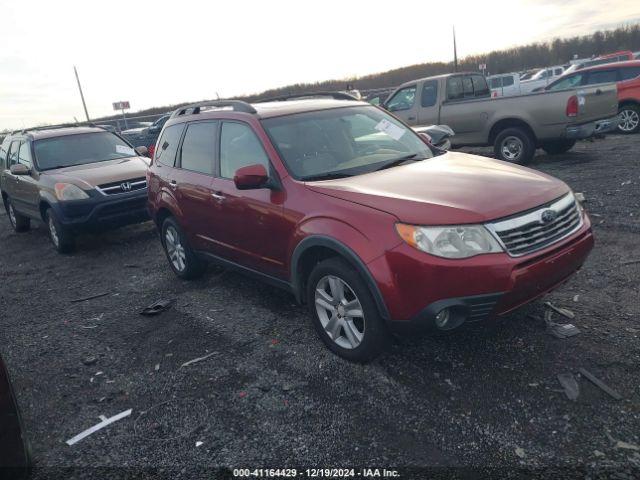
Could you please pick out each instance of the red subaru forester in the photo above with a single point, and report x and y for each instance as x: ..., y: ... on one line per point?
x: 358, y: 216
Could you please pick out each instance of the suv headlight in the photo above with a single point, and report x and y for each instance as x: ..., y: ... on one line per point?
x: 451, y: 241
x: 69, y: 191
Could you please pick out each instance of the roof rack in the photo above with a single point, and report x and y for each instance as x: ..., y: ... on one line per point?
x: 52, y: 127
x: 195, y: 108
x: 334, y: 95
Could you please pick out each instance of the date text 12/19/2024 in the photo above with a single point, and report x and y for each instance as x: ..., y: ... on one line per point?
x: 315, y: 473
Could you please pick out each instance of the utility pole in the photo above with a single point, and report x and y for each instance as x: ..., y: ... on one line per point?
x: 81, y: 95
x: 455, y: 51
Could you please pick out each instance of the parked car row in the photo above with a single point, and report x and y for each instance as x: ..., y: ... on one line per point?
x: 336, y: 201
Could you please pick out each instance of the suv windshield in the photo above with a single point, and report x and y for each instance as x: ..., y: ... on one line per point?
x: 80, y: 149
x: 343, y: 142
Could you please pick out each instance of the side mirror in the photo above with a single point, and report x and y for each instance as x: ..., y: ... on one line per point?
x: 251, y: 177
x: 19, y: 169
x: 142, y: 151
x: 426, y: 138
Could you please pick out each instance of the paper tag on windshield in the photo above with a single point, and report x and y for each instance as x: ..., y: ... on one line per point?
x: 390, y: 129
x: 125, y: 150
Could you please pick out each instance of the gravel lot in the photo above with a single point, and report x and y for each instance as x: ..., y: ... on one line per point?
x: 270, y: 394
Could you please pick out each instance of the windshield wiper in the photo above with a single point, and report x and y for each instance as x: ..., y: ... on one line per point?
x: 326, y: 176
x: 398, y: 161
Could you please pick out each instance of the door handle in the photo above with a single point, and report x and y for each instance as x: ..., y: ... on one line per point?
x: 598, y: 92
x: 411, y: 118
x: 173, y: 184
x: 218, y: 197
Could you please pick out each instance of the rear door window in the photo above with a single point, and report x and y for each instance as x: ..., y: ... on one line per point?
x: 429, y: 93
x: 480, y: 88
x: 467, y: 86
x: 507, y: 81
x: 629, y: 73
x: 602, y: 76
x: 198, y: 147
x: 168, y: 145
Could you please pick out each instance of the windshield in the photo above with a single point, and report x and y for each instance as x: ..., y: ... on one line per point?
x: 80, y: 149
x: 343, y: 142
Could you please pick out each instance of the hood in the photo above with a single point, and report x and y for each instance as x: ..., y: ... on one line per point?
x: 453, y: 188
x: 99, y: 173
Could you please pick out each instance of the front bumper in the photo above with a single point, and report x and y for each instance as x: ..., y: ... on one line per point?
x: 415, y: 286
x: 99, y: 212
x: 587, y: 130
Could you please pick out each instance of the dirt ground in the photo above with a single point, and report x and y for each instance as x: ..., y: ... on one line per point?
x: 271, y: 395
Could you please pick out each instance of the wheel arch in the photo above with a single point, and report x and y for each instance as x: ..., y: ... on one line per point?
x: 316, y: 248
x: 510, y: 122
x: 628, y: 101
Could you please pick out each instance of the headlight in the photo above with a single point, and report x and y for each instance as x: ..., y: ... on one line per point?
x: 450, y: 241
x: 69, y: 191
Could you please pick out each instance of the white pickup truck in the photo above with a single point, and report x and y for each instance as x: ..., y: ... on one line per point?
x: 513, y: 125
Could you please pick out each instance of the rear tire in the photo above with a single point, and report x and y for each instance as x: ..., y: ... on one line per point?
x: 629, y: 119
x: 514, y: 145
x: 557, y: 147
x: 182, y: 259
x: 20, y: 223
x: 344, y: 312
x: 62, y: 238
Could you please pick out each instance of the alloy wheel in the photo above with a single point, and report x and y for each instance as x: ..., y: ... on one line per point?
x: 512, y: 148
x: 53, y: 232
x: 629, y: 120
x: 175, y: 250
x: 12, y: 216
x: 340, y: 312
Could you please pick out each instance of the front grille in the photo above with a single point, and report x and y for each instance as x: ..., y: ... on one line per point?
x: 123, y: 186
x: 540, y: 228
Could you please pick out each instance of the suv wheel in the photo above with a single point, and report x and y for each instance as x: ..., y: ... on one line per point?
x: 514, y: 145
x: 629, y: 119
x: 183, y: 260
x: 20, y: 223
x: 344, y: 312
x: 61, y: 237
x: 557, y: 147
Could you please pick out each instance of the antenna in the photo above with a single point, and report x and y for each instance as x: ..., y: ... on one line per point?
x: 455, y: 51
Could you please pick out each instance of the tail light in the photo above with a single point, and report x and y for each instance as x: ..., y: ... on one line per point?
x: 572, y: 106
x: 151, y: 150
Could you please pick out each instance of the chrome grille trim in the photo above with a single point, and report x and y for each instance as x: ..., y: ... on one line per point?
x: 115, y: 188
x: 527, y: 233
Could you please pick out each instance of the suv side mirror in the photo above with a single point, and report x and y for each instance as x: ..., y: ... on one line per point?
x: 19, y: 169
x: 251, y: 177
x: 426, y: 138
x: 142, y: 151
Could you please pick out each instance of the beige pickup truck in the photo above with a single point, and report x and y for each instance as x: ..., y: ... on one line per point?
x: 515, y: 126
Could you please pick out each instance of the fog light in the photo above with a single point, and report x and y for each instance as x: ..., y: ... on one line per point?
x: 442, y: 319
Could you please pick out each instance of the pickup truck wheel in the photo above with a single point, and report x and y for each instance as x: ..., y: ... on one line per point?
x: 629, y: 119
x: 344, y: 312
x: 20, y: 223
x: 557, y: 147
x: 514, y: 145
x: 182, y: 259
x: 62, y: 239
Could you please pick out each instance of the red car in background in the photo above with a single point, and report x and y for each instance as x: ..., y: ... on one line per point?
x: 625, y: 74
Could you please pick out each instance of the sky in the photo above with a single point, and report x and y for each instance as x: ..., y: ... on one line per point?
x: 155, y: 53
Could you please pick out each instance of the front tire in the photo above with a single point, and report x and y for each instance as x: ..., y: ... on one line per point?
x: 20, y: 223
x: 514, y: 145
x: 629, y: 119
x: 182, y: 259
x: 344, y: 312
x: 62, y: 239
x: 557, y: 147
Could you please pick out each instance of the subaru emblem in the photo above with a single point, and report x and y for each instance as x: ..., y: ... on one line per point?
x: 548, y: 216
